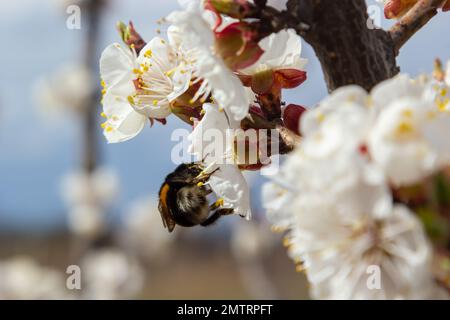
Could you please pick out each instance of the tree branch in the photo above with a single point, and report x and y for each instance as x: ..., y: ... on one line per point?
x: 413, y: 21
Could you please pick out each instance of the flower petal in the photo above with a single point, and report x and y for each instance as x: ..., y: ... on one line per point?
x: 116, y: 65
x: 123, y: 122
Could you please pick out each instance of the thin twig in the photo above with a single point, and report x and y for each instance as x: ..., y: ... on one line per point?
x: 413, y: 21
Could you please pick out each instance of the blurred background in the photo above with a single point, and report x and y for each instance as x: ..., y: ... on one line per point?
x: 69, y: 198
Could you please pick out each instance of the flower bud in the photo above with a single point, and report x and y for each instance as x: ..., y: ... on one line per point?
x: 237, y: 9
x: 130, y: 36
x: 446, y: 6
x: 397, y: 8
x: 291, y: 117
x: 238, y: 46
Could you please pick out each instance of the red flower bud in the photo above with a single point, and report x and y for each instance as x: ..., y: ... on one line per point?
x: 291, y: 117
x: 237, y: 45
x: 396, y: 8
x: 130, y: 36
x: 446, y: 6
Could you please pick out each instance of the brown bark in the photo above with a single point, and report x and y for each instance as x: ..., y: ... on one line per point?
x: 92, y: 9
x: 348, y: 50
x: 413, y: 21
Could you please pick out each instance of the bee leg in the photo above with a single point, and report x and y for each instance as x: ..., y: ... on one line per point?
x: 203, y: 177
x: 216, y: 215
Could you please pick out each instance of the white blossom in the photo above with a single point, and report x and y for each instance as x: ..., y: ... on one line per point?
x: 227, y: 182
x: 69, y: 88
x: 23, y: 278
x: 140, y: 87
x: 408, y: 135
x: 88, y: 196
x: 333, y: 193
x: 195, y: 31
x: 111, y: 274
x: 282, y: 50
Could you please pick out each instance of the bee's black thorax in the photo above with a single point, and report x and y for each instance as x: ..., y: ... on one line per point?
x: 186, y: 201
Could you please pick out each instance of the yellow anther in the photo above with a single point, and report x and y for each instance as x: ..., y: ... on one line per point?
x: 369, y: 101
x: 219, y: 202
x: 405, y: 127
x: 277, y: 229
x: 407, y: 113
x: 200, y: 184
x: 103, y: 91
x: 102, y: 83
x: 148, y: 53
x: 103, y: 125
x: 170, y: 72
x: 299, y: 268
x: 130, y: 99
x: 442, y: 104
x: 155, y: 102
x: 320, y: 116
x: 202, y: 112
x: 220, y: 109
x: 103, y: 115
x: 286, y: 242
x: 163, y: 42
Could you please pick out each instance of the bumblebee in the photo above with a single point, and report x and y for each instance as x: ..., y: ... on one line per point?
x: 183, y: 198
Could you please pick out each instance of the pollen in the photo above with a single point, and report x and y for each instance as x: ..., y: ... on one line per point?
x: 405, y: 127
x: 299, y: 268
x: 442, y: 104
x: 219, y: 202
x: 200, y: 184
x: 103, y: 125
x: 155, y: 102
x: 276, y: 229
x: 109, y: 129
x: 320, y: 116
x: 102, y: 83
x: 407, y: 113
x: 103, y: 115
x: 148, y: 53
x: 130, y: 99
x: 170, y: 72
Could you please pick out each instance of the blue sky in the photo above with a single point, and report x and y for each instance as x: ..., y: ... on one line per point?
x: 35, y: 152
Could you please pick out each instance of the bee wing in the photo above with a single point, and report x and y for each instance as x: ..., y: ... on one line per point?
x: 167, y: 220
x: 164, y: 210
